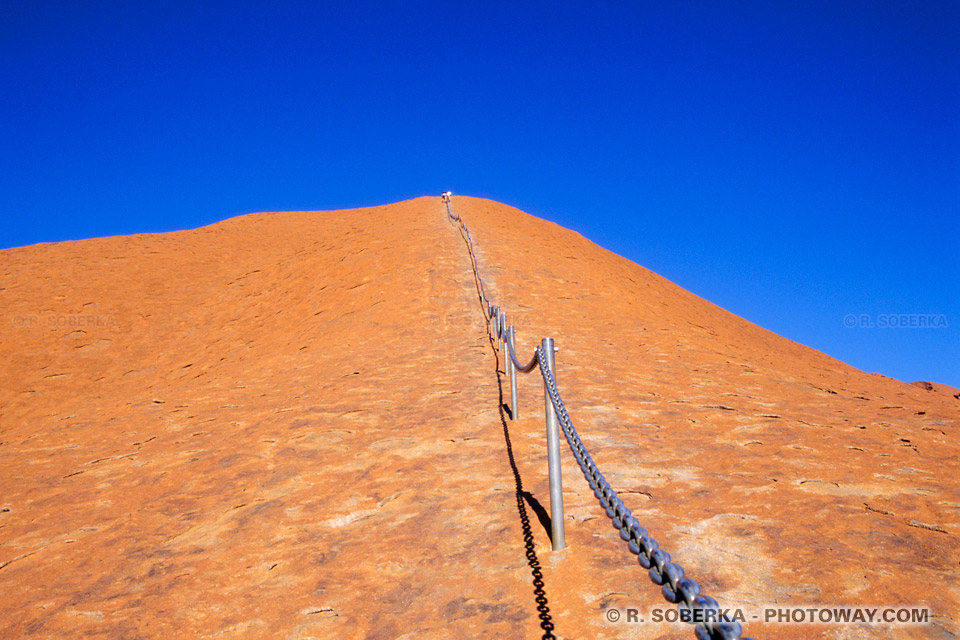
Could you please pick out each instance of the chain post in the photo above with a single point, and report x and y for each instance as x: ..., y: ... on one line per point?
x: 503, y: 330
x: 553, y: 452
x: 511, y: 349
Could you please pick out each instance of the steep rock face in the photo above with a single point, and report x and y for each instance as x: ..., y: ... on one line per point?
x: 288, y: 425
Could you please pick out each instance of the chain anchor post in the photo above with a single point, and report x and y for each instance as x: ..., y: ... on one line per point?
x: 553, y: 452
x: 512, y: 349
x: 501, y: 333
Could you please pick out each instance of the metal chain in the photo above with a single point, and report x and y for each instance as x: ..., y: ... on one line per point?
x: 699, y: 609
x: 677, y: 588
x: 527, y: 368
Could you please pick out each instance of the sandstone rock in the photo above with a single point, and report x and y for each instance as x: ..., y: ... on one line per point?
x: 289, y: 425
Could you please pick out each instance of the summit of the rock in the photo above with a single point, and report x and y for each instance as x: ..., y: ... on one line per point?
x: 290, y: 425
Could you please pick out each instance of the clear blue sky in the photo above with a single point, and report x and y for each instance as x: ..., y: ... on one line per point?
x: 794, y: 162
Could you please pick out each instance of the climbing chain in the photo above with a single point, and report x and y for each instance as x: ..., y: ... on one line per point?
x: 682, y: 591
x: 522, y: 368
x: 699, y: 609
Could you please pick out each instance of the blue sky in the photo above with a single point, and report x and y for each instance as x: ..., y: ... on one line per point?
x: 795, y: 163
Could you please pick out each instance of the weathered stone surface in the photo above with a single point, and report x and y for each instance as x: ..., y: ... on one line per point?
x: 288, y: 426
x: 937, y: 387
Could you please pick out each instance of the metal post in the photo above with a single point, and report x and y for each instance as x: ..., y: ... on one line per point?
x: 514, y: 412
x: 503, y: 330
x: 553, y: 453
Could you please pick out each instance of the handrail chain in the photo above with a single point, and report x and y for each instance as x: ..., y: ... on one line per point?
x: 701, y: 610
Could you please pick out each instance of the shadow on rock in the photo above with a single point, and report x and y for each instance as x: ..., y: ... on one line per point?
x: 524, y: 498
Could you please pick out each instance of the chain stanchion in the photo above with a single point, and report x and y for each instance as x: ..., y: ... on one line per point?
x: 553, y: 453
x: 511, y: 348
x: 502, y: 332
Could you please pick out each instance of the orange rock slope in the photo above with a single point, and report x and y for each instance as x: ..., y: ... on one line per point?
x: 289, y: 425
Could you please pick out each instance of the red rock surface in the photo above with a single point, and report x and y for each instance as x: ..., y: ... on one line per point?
x: 287, y: 425
x: 937, y: 387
